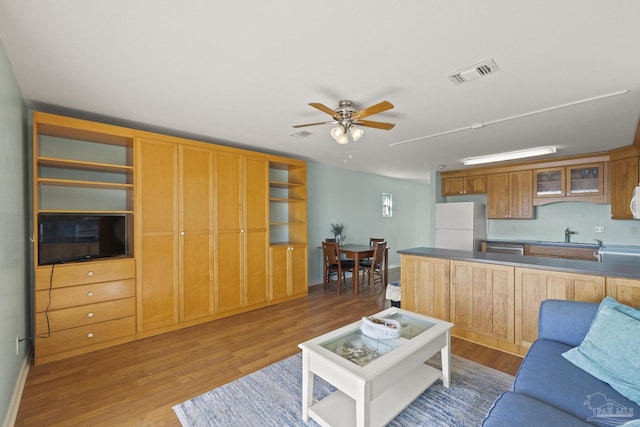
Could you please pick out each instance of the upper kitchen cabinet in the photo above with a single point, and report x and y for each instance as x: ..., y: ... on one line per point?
x: 464, y: 185
x: 509, y: 195
x: 623, y: 178
x: 580, y: 182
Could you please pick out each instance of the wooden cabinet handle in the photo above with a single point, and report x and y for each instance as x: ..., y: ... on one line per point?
x: 90, y: 335
x: 90, y: 273
x: 90, y: 314
x: 90, y: 293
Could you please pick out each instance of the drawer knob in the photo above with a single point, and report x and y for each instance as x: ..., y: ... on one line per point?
x: 90, y: 293
x: 90, y: 314
x: 90, y: 335
x: 90, y: 273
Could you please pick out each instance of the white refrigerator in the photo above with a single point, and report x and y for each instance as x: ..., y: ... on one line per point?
x: 460, y: 225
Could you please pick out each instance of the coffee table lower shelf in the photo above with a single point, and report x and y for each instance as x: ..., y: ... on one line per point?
x: 338, y: 409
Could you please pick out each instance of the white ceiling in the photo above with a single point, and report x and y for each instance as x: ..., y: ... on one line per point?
x: 242, y: 72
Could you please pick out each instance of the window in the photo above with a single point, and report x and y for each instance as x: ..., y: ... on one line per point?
x: 387, y: 205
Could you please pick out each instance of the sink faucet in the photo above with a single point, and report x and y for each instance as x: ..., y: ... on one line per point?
x: 567, y: 234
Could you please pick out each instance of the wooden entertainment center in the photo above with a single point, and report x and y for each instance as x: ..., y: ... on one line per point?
x: 211, y: 231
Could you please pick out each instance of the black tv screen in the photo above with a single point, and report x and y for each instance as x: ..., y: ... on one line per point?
x: 78, y: 237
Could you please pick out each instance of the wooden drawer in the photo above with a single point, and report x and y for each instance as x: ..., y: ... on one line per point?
x: 84, y: 272
x: 73, y: 296
x: 84, y: 315
x: 85, y: 335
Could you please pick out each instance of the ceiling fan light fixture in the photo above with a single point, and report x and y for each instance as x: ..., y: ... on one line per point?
x: 337, y: 132
x: 356, y: 133
x: 344, y: 139
x: 511, y: 155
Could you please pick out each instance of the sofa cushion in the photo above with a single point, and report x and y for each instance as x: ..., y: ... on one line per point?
x: 611, y: 348
x: 547, y: 376
x: 514, y: 409
x: 565, y: 321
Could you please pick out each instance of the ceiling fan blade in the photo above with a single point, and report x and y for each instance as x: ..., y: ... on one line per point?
x: 325, y: 109
x: 377, y: 125
x: 311, y: 124
x: 374, y: 109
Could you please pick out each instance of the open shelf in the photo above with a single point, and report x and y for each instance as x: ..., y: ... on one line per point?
x: 83, y: 184
x: 53, y: 162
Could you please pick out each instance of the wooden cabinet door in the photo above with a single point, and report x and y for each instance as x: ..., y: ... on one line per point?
x: 464, y: 185
x: 241, y: 186
x: 482, y: 299
x: 520, y: 195
x: 229, y: 231
x: 425, y: 286
x: 623, y: 179
x: 256, y: 205
x: 452, y: 186
x: 157, y: 225
x: 279, y: 279
x: 498, y: 196
x: 196, y: 232
x: 625, y: 291
x: 475, y: 185
x: 535, y: 286
x: 510, y: 195
x: 298, y: 269
x: 288, y: 271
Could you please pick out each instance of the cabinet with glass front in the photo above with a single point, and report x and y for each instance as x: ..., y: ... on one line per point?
x: 584, y: 182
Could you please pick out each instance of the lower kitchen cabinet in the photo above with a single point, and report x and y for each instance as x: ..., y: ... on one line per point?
x: 534, y: 286
x: 425, y: 286
x: 626, y: 291
x: 482, y: 302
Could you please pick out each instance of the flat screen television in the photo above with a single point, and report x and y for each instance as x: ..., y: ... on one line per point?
x: 79, y: 237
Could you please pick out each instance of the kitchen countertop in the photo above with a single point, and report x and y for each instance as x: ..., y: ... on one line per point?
x: 612, y: 269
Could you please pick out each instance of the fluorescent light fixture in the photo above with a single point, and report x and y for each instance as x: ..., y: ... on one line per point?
x: 511, y: 155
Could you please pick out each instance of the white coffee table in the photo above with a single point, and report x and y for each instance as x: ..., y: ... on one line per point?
x: 375, y: 379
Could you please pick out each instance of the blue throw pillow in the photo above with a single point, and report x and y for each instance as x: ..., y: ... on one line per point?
x: 611, y: 349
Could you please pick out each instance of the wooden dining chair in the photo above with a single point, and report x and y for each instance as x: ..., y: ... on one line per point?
x: 372, y: 241
x: 334, y: 265
x: 373, y: 267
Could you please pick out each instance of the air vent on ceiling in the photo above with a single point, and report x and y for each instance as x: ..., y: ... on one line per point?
x: 474, y: 72
x: 300, y: 134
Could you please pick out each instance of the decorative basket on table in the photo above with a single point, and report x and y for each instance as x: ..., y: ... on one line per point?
x: 385, y: 329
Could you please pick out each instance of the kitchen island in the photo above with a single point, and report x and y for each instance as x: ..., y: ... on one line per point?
x: 493, y: 299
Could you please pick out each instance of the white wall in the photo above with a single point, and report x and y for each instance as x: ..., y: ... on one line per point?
x: 341, y: 196
x: 13, y: 232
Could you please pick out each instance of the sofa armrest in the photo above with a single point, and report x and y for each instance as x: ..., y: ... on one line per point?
x: 565, y: 321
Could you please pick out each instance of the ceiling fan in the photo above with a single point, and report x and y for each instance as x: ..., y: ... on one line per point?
x: 346, y: 117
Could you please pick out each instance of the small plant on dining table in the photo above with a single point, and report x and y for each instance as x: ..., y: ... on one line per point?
x: 337, y: 229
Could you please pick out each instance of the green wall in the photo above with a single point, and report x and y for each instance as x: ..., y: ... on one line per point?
x: 354, y: 199
x: 552, y: 219
x: 13, y: 231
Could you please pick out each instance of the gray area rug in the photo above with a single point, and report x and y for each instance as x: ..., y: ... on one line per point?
x: 272, y: 397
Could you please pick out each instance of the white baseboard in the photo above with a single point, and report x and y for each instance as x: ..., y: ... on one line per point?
x: 12, y: 411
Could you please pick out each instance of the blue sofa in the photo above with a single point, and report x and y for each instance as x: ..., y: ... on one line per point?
x: 549, y: 390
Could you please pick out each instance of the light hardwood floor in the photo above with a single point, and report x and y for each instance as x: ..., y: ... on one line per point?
x: 137, y: 384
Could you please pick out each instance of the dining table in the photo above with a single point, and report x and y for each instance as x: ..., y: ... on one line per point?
x: 359, y: 252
